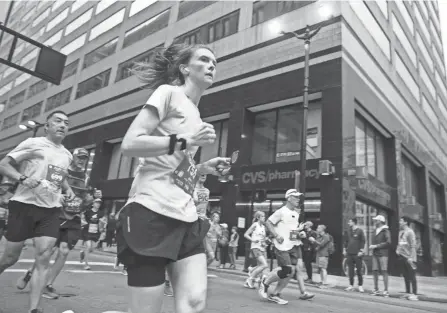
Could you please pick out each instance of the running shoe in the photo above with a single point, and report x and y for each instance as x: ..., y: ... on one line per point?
x: 81, y: 256
x: 250, y: 269
x: 124, y: 272
x: 263, y: 289
x: 385, y: 294
x: 23, y: 281
x: 350, y: 288
x: 277, y: 299
x: 307, y: 296
x: 50, y: 293
x: 249, y: 283
x: 36, y: 311
x: 375, y: 293
x: 405, y: 296
x: 361, y: 290
x: 413, y: 298
x: 87, y: 268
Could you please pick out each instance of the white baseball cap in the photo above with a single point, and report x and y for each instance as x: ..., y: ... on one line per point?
x: 292, y: 193
x: 380, y: 218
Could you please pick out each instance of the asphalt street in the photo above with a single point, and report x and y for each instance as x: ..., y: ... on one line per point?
x: 103, y: 289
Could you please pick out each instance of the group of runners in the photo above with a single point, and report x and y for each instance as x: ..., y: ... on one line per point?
x: 162, y: 230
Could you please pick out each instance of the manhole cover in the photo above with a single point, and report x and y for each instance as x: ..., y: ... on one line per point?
x: 67, y: 295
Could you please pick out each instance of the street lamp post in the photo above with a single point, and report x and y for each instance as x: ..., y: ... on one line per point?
x: 31, y: 125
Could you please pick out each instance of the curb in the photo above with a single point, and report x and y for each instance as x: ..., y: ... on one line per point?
x: 337, y: 287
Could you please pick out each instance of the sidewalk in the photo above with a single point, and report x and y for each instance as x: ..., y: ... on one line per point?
x: 432, y: 289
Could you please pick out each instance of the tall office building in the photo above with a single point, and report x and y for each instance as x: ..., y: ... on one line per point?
x: 377, y: 111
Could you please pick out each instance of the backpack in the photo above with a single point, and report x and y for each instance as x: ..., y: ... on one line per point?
x: 330, y: 245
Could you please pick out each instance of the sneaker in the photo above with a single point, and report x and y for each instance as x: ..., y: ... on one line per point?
x: 324, y: 286
x: 404, y: 296
x: 263, y: 290
x: 413, y: 298
x: 277, y: 299
x: 87, y: 268
x: 23, y: 281
x: 350, y: 288
x: 168, y: 290
x: 81, y: 256
x: 249, y: 282
x: 36, y: 311
x: 307, y: 296
x: 375, y: 293
x: 50, y: 293
x: 361, y: 290
x: 124, y: 272
x: 385, y: 294
x: 308, y: 281
x: 250, y: 269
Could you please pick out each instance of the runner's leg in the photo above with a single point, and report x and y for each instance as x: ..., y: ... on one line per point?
x: 59, y: 263
x: 88, y: 250
x: 11, y: 254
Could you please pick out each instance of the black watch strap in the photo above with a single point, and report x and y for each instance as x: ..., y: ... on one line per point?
x: 22, y: 178
x: 172, y: 143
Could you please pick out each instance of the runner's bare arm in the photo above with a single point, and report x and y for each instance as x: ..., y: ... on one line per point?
x: 67, y: 190
x: 248, y: 233
x: 8, y: 168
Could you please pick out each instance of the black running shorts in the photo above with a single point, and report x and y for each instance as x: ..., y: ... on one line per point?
x: 69, y: 232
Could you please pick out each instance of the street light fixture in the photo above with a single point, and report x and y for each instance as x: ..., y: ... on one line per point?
x: 325, y: 12
x: 31, y: 125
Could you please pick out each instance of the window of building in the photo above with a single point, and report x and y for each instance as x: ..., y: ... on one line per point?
x: 21, y: 79
x: 58, y: 99
x: 436, y: 244
x: 370, y: 23
x: 59, y: 18
x: 10, y: 121
x: 40, y: 17
x: 57, y: 4
x: 430, y: 112
x: 100, y: 53
x: 103, y: 4
x: 32, y: 111
x: 427, y: 80
x: 424, y: 51
x: 423, y: 9
x: 219, y: 147
x: 93, y: 84
x: 77, y: 4
x: 435, y: 199
x: 121, y: 166
x: 125, y: 67
x: 81, y: 20
x: 139, y: 5
x: 147, y: 28
x: 438, y: 59
x: 434, y: 17
x: 107, y: 24
x: 70, y: 69
x: 443, y: 109
x: 37, y: 88
x: 400, y: 34
x: 74, y: 45
x: 383, y: 6
x: 36, y: 35
x: 29, y: 56
x: 8, y: 72
x: 370, y: 148
x: 266, y: 10
x: 422, y: 23
x: 277, y: 134
x: 405, y: 14
x: 54, y: 39
x: 27, y: 16
x: 441, y: 84
x: 406, y: 76
x: 16, y: 99
x: 6, y: 88
x: 410, y: 177
x: 187, y: 8
x: 218, y: 29
x: 436, y: 36
x: 365, y: 214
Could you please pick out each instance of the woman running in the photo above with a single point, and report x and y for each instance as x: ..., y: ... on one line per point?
x: 212, y: 237
x: 159, y: 226
x: 258, y: 236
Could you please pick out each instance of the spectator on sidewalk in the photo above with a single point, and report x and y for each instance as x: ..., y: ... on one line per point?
x: 381, y: 243
x: 322, y: 243
x: 308, y: 250
x: 353, y: 251
x: 224, y: 240
x: 234, y: 242
x: 406, y: 252
x: 111, y: 229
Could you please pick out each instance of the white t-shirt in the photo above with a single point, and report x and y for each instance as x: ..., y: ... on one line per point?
x: 259, y: 233
x: 153, y: 186
x: 41, y: 159
x: 285, y: 220
x: 201, y: 198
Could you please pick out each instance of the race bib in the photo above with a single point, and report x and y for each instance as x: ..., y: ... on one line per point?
x: 294, y: 235
x: 56, y: 175
x: 93, y: 228
x: 73, y: 206
x: 202, y: 197
x: 185, y: 176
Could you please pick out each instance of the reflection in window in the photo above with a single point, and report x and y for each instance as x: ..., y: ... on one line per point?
x: 59, y: 18
x: 125, y: 67
x: 100, y: 53
x: 277, y: 134
x: 10, y: 121
x: 54, y: 39
x: 32, y: 111
x: 219, y: 147
x: 58, y: 99
x: 370, y: 23
x: 266, y: 10
x: 93, y: 84
x: 36, y: 88
x: 400, y: 34
x: 187, y: 8
x: 139, y: 5
x: 16, y: 99
x: 40, y: 17
x: 103, y: 4
x: 370, y: 148
x: 430, y: 112
x: 70, y: 69
x: 147, y: 28
x: 81, y: 20
x: 107, y: 24
x: 74, y: 45
x: 365, y: 214
x: 406, y: 76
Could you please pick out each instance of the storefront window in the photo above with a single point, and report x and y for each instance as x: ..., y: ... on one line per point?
x: 418, y: 232
x: 365, y: 214
x: 436, y: 244
x: 219, y: 147
x: 410, y: 179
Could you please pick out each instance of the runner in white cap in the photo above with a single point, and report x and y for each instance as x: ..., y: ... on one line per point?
x: 284, y: 226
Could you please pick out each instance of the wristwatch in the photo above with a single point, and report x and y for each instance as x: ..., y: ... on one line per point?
x: 22, y: 178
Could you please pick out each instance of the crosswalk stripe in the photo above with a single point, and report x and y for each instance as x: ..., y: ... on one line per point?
x: 15, y: 270
x: 71, y: 262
